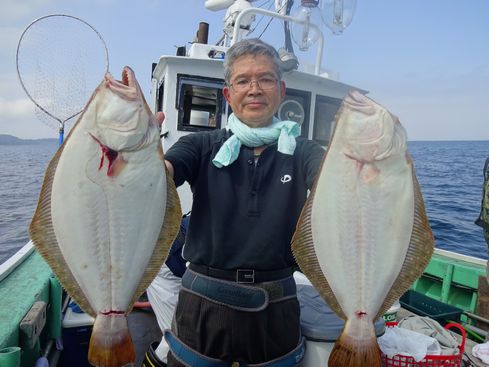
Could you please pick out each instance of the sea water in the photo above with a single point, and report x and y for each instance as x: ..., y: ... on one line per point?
x: 449, y: 173
x: 450, y: 177
x: 21, y: 174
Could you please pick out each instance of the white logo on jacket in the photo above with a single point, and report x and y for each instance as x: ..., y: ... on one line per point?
x: 286, y: 178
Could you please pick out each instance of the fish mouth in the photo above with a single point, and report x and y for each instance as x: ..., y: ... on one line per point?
x: 124, y: 122
x: 128, y: 76
x: 359, y: 102
x: 366, y: 133
x: 372, y: 131
x: 127, y: 87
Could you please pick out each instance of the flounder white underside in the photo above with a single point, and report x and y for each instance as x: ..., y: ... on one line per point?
x: 362, y: 208
x: 107, y: 225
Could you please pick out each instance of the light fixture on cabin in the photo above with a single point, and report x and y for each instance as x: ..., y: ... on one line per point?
x: 338, y: 14
x: 303, y: 34
x: 232, y: 14
x: 289, y: 60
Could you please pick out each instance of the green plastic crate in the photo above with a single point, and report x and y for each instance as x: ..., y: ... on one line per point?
x: 426, y: 306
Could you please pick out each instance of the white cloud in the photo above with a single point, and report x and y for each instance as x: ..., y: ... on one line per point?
x: 15, y: 109
x: 17, y: 112
x: 20, y: 9
x: 10, y: 87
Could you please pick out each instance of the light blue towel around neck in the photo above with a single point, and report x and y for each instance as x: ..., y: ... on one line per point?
x: 284, y: 132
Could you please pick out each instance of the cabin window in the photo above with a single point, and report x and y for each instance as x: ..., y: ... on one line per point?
x: 324, y: 118
x: 199, y: 103
x: 295, y: 107
x: 160, y: 93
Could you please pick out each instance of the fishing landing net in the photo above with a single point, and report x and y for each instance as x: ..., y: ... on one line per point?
x: 60, y: 61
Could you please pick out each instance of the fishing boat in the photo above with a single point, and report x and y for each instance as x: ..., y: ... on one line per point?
x: 37, y: 322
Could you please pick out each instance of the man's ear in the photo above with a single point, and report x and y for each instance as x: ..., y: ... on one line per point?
x: 282, y: 89
x: 226, y: 92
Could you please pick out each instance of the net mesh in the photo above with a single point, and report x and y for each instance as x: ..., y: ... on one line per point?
x: 60, y: 60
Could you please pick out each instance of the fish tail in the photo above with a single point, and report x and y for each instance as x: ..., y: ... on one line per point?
x: 354, y: 350
x: 110, y: 343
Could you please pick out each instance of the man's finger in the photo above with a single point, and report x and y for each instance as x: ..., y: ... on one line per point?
x: 160, y: 117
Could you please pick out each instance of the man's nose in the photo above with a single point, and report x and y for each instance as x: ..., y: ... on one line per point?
x: 254, y: 87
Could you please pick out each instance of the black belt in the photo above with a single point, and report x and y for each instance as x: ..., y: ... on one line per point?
x: 245, y: 297
x: 243, y: 275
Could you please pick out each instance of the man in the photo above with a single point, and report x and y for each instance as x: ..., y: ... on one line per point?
x: 483, y: 218
x: 238, y: 300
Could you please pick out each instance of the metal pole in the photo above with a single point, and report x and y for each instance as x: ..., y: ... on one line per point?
x: 237, y: 29
x: 203, y: 33
x: 476, y: 317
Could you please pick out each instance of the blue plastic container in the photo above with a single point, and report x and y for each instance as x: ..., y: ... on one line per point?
x: 76, y: 332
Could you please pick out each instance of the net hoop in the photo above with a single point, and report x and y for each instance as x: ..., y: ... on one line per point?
x: 17, y: 62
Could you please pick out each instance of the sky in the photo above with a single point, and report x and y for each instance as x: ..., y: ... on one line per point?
x: 427, y: 61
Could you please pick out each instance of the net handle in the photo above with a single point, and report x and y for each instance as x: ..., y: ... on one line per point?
x: 61, y: 122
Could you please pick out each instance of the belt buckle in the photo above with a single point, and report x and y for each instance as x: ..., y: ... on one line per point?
x: 245, y: 275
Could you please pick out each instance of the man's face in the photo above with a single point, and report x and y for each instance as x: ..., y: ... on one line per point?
x: 254, y: 106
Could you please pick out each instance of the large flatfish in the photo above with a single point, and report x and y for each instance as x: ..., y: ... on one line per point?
x: 108, y: 212
x: 363, y: 236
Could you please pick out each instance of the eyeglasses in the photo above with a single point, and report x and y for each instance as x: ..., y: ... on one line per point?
x: 264, y: 83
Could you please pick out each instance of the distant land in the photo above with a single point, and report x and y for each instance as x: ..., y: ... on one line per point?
x: 13, y: 140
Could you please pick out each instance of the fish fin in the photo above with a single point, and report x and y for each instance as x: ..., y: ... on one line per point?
x: 168, y: 233
x: 111, y: 344
x: 41, y: 232
x: 421, y: 247
x: 351, y: 351
x: 305, y: 255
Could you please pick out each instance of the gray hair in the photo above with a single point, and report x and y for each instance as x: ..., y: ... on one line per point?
x: 254, y: 47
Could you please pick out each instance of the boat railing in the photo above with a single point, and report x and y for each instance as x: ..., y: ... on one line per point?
x: 15, y: 260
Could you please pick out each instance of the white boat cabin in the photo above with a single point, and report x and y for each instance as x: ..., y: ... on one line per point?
x: 188, y: 89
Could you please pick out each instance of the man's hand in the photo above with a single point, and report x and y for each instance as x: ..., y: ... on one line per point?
x: 160, y: 117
